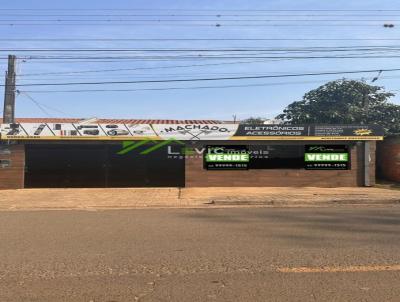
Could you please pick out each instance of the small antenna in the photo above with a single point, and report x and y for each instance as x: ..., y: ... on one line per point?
x: 377, y: 77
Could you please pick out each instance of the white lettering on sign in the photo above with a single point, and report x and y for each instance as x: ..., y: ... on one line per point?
x: 326, y: 157
x: 228, y: 157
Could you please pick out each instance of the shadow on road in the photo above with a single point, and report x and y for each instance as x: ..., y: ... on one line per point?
x: 310, y: 227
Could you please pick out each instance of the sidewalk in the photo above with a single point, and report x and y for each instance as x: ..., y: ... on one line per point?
x: 192, y: 197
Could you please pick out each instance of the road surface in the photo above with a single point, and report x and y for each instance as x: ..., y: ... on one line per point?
x: 232, y: 254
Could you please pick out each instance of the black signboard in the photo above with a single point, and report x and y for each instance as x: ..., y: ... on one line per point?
x: 272, y: 130
x: 310, y: 157
x: 276, y: 157
x: 327, y: 157
x: 339, y: 131
x: 346, y: 130
x: 226, y: 158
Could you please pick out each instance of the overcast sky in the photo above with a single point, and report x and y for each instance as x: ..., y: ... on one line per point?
x: 266, y: 100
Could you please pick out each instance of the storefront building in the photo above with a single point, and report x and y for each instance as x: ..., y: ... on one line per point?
x: 388, y: 159
x: 46, y: 153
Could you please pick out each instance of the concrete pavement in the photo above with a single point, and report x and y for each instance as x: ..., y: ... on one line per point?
x: 192, y: 197
x: 232, y: 254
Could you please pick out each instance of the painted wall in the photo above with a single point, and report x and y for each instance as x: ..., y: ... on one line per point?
x: 12, y: 177
x: 388, y: 159
x: 196, y: 176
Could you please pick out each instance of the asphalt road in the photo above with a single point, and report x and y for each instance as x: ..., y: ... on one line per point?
x: 236, y: 254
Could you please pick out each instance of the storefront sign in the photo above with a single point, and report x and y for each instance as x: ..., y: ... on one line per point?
x: 195, y: 131
x: 75, y: 131
x: 226, y: 158
x: 309, y: 132
x: 346, y: 130
x: 328, y: 157
x: 272, y: 130
x: 310, y: 157
x: 186, y: 132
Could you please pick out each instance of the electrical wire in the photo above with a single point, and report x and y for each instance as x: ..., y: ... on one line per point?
x: 272, y: 59
x: 197, y: 15
x: 197, y: 9
x: 22, y: 80
x: 191, y: 39
x: 236, y: 49
x: 139, y: 68
x: 172, y: 88
x: 217, y: 25
x: 34, y: 102
x: 41, y: 106
x: 208, y: 79
x: 196, y: 20
x: 187, y: 57
x: 190, y: 88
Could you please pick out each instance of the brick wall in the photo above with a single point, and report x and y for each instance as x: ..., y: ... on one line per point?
x: 196, y: 176
x: 12, y: 177
x: 388, y: 159
x: 372, y: 172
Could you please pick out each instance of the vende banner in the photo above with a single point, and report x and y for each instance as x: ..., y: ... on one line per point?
x: 187, y: 132
x: 226, y: 157
x: 327, y: 157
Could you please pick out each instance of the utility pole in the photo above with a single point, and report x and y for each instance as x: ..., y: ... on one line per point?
x: 9, y: 91
x: 367, y: 150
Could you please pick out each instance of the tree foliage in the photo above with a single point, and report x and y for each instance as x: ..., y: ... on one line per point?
x: 253, y: 120
x: 345, y: 102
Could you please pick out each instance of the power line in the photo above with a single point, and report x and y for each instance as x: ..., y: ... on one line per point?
x: 133, y: 77
x: 34, y: 102
x: 218, y: 25
x: 146, y: 76
x: 235, y: 49
x: 197, y: 15
x: 191, y: 10
x: 198, y: 39
x: 238, y: 48
x: 141, y: 68
x: 186, y: 88
x: 208, y: 79
x: 41, y: 106
x: 171, y: 88
x: 206, y: 57
x: 115, y: 59
x: 170, y: 53
x: 122, y: 61
x: 195, y: 20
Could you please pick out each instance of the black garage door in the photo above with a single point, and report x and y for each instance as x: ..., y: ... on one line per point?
x: 99, y: 165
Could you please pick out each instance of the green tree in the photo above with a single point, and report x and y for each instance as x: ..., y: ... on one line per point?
x: 253, y: 120
x: 345, y: 102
